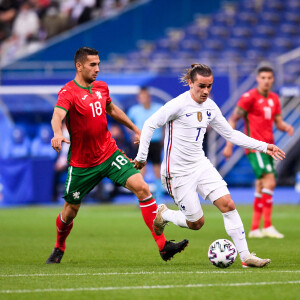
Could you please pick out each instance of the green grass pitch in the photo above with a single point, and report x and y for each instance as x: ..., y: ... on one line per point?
x: 111, y: 255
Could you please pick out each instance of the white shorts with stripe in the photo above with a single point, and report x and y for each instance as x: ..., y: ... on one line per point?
x: 184, y: 190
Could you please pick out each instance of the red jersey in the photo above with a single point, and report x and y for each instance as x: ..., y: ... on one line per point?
x: 260, y: 114
x: 91, y: 142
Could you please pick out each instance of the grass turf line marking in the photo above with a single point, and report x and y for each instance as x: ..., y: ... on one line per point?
x: 115, y: 288
x: 145, y: 273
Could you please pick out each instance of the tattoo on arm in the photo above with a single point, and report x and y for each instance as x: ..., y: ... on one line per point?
x: 240, y: 113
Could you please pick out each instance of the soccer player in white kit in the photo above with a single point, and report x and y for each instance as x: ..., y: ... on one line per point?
x: 185, y: 170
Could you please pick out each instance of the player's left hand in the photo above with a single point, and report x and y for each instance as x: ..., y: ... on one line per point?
x: 290, y: 130
x: 275, y: 152
x: 139, y: 165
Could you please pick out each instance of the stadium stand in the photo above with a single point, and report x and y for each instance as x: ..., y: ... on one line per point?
x: 26, y: 24
x: 241, y: 32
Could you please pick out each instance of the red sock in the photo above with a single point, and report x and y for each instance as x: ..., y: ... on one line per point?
x: 257, y: 211
x: 267, y: 199
x: 62, y: 230
x: 148, y: 208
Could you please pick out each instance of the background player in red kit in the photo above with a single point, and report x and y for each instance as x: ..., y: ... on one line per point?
x: 260, y: 108
x: 93, y: 154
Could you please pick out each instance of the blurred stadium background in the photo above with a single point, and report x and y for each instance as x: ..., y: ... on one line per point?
x: 141, y: 43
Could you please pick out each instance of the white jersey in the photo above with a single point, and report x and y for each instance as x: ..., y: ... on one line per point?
x: 186, y: 122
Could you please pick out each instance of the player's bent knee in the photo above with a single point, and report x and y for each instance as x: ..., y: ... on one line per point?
x: 70, y: 212
x: 196, y: 225
x: 143, y: 190
x: 272, y: 185
x: 230, y: 205
x: 225, y: 204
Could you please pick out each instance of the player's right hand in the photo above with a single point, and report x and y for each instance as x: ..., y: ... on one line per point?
x: 56, y: 142
x: 227, y: 152
x: 275, y: 152
x: 139, y: 165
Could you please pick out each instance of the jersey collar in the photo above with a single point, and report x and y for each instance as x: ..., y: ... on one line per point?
x: 266, y: 97
x: 82, y: 87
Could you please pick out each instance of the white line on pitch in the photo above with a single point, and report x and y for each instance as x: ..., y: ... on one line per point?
x: 148, y: 273
x: 115, y: 288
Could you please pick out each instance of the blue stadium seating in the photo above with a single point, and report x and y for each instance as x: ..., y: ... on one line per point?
x: 244, y: 30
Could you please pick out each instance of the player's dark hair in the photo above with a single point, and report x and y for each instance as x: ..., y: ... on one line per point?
x: 82, y: 53
x: 144, y: 89
x: 265, y: 69
x: 191, y: 73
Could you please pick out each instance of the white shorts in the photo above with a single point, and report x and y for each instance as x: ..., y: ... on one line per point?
x: 184, y: 190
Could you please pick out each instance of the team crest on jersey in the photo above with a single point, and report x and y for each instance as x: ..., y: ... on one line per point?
x: 208, y: 114
x: 199, y: 116
x: 271, y: 103
x: 98, y: 94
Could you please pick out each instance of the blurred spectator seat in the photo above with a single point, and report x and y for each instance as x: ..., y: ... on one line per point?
x: 41, y: 144
x: 219, y: 31
x: 241, y: 32
x: 274, y: 5
x: 283, y: 43
x: 289, y: 29
x: 260, y: 44
x: 265, y: 31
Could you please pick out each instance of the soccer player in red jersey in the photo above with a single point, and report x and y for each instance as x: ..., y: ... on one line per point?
x: 260, y: 108
x: 93, y: 154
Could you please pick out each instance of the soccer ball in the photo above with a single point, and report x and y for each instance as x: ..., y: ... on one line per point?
x: 222, y: 253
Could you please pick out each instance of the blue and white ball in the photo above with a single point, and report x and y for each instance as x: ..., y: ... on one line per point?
x: 222, y: 253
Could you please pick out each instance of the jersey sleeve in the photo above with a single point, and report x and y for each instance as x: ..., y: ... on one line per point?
x: 65, y: 99
x: 245, y: 102
x: 166, y: 113
x: 108, y: 99
x: 222, y: 127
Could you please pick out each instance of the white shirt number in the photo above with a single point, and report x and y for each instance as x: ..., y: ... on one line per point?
x: 121, y: 162
x: 96, y: 108
x: 268, y: 113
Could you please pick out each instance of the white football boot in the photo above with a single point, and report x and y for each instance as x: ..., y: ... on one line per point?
x: 271, y: 232
x: 252, y: 261
x: 257, y: 234
x: 159, y: 223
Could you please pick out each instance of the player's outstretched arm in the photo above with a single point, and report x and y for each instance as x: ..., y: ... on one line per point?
x: 275, y: 152
x: 56, y: 122
x: 118, y: 114
x: 283, y: 126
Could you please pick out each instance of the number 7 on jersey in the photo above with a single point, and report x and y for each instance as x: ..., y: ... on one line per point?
x: 199, y: 130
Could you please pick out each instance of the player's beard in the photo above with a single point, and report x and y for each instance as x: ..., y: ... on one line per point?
x: 90, y: 80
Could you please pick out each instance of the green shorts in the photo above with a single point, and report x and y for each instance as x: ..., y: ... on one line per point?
x: 80, y: 181
x: 261, y: 163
